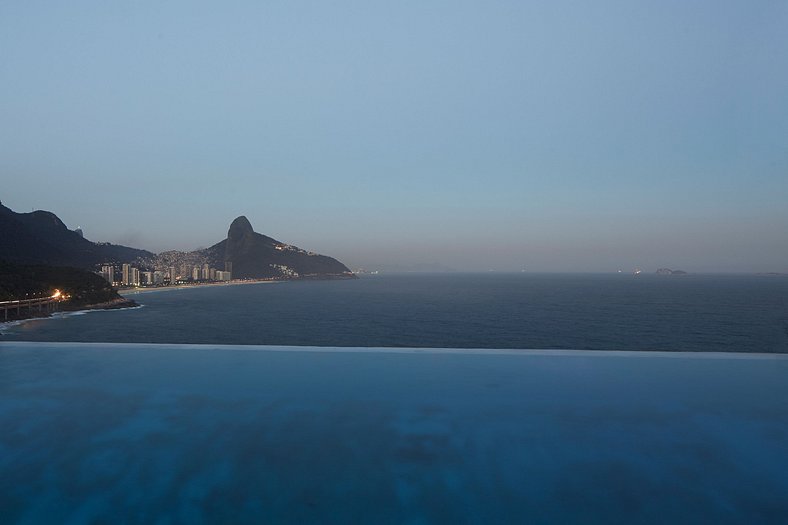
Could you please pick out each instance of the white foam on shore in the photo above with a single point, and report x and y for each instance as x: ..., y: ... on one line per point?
x: 10, y: 324
x: 4, y: 327
x: 544, y: 352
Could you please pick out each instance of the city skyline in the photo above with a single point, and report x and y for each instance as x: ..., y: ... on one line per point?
x: 131, y: 275
x: 505, y: 136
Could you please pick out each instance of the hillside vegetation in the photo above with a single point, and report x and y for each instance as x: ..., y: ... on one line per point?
x: 84, y: 288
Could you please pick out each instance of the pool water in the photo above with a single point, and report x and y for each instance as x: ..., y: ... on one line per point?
x: 139, y: 433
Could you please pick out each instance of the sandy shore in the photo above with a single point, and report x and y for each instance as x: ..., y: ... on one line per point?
x: 135, y: 291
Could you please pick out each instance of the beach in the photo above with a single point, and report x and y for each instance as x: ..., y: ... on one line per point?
x: 135, y: 291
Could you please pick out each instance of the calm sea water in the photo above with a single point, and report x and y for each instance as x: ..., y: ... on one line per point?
x: 136, y: 433
x: 607, y: 312
x: 171, y: 434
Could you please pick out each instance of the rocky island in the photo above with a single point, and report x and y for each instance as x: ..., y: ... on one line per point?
x: 668, y: 271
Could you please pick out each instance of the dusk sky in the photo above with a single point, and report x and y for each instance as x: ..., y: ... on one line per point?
x: 550, y: 136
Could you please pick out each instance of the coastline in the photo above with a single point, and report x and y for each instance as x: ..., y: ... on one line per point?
x: 118, y: 303
x: 114, y: 304
x: 124, y: 302
x: 135, y: 291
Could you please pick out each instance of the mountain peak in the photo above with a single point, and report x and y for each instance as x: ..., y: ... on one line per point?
x: 46, y: 219
x: 239, y: 227
x: 40, y: 237
x: 257, y: 256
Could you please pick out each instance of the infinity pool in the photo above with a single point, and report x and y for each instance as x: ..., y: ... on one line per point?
x: 218, y: 434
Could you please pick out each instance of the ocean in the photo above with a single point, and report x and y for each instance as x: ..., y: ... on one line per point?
x: 267, y: 415
x: 523, y: 311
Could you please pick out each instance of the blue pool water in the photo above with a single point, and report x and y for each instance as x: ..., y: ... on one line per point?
x: 110, y: 433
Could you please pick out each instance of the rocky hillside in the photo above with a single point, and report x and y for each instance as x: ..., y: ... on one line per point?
x: 254, y: 255
x: 40, y: 237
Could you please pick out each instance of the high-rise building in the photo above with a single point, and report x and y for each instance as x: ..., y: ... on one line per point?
x: 196, y: 273
x: 108, y: 272
x: 212, y: 274
x: 135, y: 276
x: 228, y: 266
x: 173, y: 275
x: 206, y: 272
x: 125, y: 277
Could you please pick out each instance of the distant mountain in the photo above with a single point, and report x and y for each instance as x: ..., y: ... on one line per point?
x: 254, y: 255
x: 40, y: 237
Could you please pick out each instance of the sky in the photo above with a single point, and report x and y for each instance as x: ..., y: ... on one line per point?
x: 545, y: 136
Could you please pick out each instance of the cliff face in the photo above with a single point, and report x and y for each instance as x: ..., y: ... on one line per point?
x: 254, y: 255
x: 40, y: 237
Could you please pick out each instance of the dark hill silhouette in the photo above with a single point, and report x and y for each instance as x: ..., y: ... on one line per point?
x: 84, y: 287
x: 40, y: 237
x: 254, y: 255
